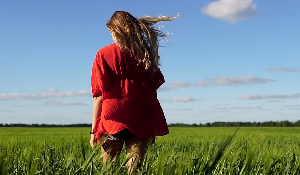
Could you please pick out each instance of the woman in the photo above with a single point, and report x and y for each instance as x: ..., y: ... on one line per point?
x: 125, y: 77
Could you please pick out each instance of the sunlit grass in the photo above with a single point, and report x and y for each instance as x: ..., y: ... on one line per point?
x: 184, y: 151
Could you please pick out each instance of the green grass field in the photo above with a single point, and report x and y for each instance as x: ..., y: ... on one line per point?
x: 184, y: 151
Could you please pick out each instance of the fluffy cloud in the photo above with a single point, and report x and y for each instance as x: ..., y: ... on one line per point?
x: 292, y: 107
x: 184, y: 99
x: 180, y: 99
x: 282, y: 69
x: 236, y: 108
x: 274, y: 101
x: 268, y: 96
x: 23, y: 105
x: 223, y: 81
x: 233, y: 81
x: 180, y: 84
x: 231, y: 11
x: 51, y: 93
x: 64, y: 103
x: 17, y: 96
x: 179, y: 109
x: 42, y: 118
x: 6, y: 110
x: 51, y: 90
x: 165, y: 89
x: 183, y: 109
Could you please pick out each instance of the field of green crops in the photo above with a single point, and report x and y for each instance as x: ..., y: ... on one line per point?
x: 184, y: 151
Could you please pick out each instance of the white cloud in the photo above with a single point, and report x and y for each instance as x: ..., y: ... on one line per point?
x: 202, y: 83
x: 223, y: 81
x: 180, y: 84
x: 51, y: 93
x: 23, y: 105
x: 268, y: 96
x: 164, y: 89
x: 236, y: 108
x: 294, y: 96
x: 162, y: 100
x: 292, y: 107
x: 282, y: 69
x: 180, y: 109
x: 18, y: 96
x: 184, y: 99
x: 232, y: 81
x: 274, y: 101
x: 51, y: 90
x: 180, y: 99
x: 33, y: 116
x: 64, y: 103
x: 231, y: 11
x: 42, y: 118
x: 6, y: 110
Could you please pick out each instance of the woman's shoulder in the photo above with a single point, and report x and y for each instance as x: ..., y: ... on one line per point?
x: 107, y: 48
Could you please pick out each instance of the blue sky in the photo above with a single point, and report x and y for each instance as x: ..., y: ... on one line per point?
x: 228, y: 60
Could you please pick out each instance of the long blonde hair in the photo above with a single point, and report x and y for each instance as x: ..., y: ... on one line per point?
x: 139, y: 36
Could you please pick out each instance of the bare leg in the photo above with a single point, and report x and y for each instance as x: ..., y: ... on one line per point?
x: 135, y: 150
x: 111, y: 149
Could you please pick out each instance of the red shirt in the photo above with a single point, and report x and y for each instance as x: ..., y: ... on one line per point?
x: 128, y: 95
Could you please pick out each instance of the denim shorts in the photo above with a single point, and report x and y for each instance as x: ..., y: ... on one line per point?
x: 121, y: 135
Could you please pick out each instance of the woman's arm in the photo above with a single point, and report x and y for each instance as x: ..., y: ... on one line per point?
x: 96, y: 110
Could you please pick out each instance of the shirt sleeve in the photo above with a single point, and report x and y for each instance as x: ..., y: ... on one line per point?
x: 100, y: 79
x: 157, y: 80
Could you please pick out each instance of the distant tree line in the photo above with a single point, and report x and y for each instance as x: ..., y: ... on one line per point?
x: 284, y: 123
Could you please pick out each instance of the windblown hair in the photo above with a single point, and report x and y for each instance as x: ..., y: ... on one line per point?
x: 139, y: 36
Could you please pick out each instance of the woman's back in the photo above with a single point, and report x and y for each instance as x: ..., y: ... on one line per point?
x: 128, y: 93
x: 127, y: 79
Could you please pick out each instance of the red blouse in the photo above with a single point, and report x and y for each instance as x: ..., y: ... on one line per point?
x: 128, y: 95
